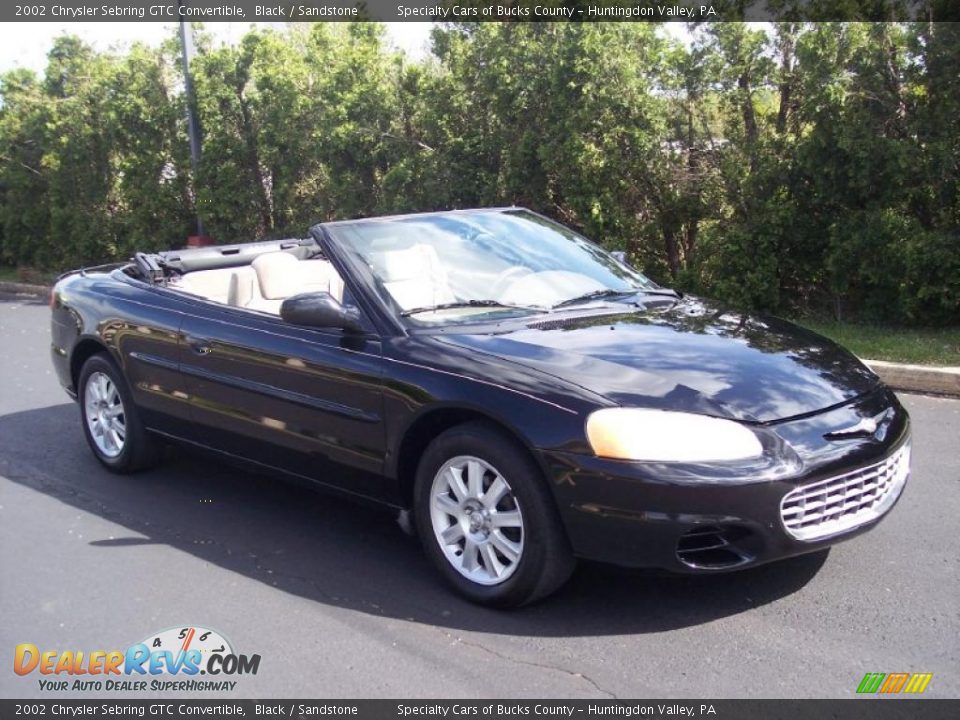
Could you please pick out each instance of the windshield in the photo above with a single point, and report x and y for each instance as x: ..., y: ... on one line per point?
x: 469, y: 265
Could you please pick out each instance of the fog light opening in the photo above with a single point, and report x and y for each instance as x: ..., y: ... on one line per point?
x: 715, y: 547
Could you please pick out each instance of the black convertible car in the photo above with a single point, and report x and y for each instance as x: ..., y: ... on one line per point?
x: 528, y: 397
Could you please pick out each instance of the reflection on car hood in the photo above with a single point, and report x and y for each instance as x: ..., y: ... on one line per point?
x: 692, y: 356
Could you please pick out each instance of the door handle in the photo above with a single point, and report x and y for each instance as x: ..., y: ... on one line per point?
x: 199, y: 345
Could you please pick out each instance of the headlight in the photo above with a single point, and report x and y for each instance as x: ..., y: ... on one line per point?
x: 660, y: 435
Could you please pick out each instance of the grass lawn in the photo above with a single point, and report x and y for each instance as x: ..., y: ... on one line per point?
x: 8, y: 274
x: 918, y: 347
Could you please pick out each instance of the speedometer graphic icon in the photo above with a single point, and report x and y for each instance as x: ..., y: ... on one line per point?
x: 183, y: 639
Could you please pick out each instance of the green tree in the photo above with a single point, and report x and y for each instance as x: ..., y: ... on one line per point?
x: 24, y: 208
x: 811, y: 167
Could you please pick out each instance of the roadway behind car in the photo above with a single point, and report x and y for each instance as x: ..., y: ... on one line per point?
x: 339, y: 603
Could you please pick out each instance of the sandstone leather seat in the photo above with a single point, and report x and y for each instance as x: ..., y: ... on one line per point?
x: 264, y: 284
x: 278, y: 277
x: 273, y: 277
x: 414, y: 276
x: 210, y: 284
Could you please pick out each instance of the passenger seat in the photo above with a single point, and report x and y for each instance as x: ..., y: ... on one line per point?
x: 277, y: 278
x: 273, y: 277
x: 414, y: 276
x: 319, y: 275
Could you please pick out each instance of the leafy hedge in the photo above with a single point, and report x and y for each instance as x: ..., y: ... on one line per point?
x: 813, y: 169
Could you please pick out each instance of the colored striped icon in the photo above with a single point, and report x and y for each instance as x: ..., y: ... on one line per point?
x: 892, y: 683
x: 918, y: 682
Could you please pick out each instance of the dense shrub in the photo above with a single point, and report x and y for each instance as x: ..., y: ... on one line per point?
x: 812, y: 169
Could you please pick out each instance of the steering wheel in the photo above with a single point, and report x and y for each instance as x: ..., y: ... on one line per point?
x: 507, y: 277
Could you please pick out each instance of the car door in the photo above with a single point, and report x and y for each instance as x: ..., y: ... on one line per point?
x: 305, y: 400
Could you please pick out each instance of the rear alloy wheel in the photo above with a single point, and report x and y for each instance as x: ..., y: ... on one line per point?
x: 111, y: 422
x: 487, y: 520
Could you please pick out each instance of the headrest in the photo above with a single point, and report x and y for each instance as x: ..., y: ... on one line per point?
x: 277, y: 273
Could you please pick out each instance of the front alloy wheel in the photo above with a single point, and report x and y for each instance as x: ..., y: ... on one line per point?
x: 486, y: 518
x: 476, y: 520
x: 103, y: 410
x: 111, y: 420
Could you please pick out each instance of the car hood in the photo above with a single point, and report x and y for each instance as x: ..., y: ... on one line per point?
x: 690, y: 356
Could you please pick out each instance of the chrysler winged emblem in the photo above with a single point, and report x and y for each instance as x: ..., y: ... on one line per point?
x: 867, y: 427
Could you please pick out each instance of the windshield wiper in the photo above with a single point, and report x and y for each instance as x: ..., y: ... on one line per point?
x: 596, y: 295
x: 608, y: 293
x: 666, y: 292
x: 471, y: 303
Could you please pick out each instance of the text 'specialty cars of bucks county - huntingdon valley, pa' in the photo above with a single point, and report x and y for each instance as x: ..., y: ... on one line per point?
x: 525, y: 396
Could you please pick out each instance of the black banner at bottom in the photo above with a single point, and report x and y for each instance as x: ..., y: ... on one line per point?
x: 867, y: 709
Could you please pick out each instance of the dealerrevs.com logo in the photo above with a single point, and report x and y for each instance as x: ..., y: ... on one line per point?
x: 182, y: 654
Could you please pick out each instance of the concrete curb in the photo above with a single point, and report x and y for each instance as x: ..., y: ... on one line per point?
x: 918, y: 378
x: 18, y: 288
x: 909, y: 378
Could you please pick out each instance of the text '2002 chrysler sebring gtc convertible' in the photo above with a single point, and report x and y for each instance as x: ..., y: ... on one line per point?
x: 527, y: 396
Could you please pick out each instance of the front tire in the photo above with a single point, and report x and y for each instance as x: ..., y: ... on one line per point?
x: 111, y: 421
x: 487, y: 520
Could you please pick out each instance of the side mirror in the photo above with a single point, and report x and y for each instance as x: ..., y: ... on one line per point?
x: 319, y: 309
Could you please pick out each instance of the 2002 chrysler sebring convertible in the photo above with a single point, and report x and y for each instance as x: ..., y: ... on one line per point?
x: 527, y: 396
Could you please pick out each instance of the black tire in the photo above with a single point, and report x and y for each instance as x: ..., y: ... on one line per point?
x: 140, y: 450
x: 546, y: 560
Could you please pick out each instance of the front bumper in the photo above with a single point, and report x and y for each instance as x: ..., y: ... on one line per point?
x: 701, y: 519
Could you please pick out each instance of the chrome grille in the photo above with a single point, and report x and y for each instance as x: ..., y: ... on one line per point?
x: 841, y: 503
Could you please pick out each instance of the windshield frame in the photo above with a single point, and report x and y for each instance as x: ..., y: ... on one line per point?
x: 334, y: 233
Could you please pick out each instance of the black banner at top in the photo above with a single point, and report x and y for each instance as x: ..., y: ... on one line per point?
x: 476, y: 10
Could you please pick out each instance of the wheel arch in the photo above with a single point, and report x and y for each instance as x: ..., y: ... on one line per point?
x: 85, y: 349
x: 432, y: 422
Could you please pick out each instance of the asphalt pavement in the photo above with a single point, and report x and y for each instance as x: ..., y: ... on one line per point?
x: 338, y: 602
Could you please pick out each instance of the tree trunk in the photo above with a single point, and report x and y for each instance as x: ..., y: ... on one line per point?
x: 694, y: 181
x: 673, y: 250
x: 787, y: 43
x: 749, y: 117
x: 690, y: 242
